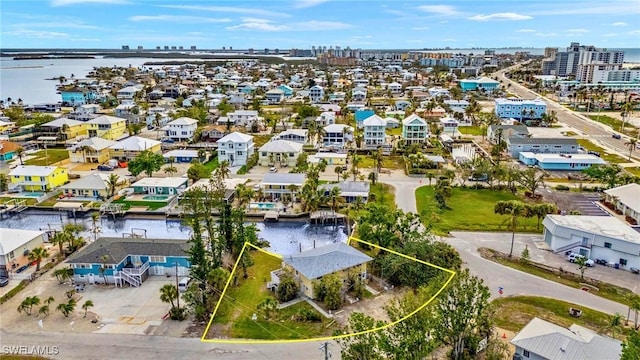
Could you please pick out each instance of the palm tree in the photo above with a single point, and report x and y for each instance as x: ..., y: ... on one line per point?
x: 103, y: 267
x: 284, y: 159
x: 63, y: 274
x: 67, y: 308
x: 338, y: 170
x: 355, y: 160
x: 169, y: 293
x: 631, y: 144
x: 28, y: 303
x: 87, y: 304
x: 112, y: 184
x: 514, y: 209
x: 272, y: 159
x: 20, y: 152
x: 293, y: 189
x: 59, y: 238
x: 627, y: 108
x: 223, y: 170
x: 37, y: 255
x: 95, y: 216
x: 614, y: 324
x: 170, y: 170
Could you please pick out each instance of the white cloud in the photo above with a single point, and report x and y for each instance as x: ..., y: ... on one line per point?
x: 578, y: 31
x: 35, y: 34
x: 178, y: 18
x: 257, y: 24
x: 621, y: 7
x: 228, y: 9
x: 56, y: 3
x: 449, y: 40
x: 500, y: 16
x: 619, y: 23
x: 314, y: 25
x: 52, y: 24
x: 419, y: 28
x: 634, y: 32
x: 301, y: 4
x: 268, y: 25
x: 439, y: 9
x: 526, y: 31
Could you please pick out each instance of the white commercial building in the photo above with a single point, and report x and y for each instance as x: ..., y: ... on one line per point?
x: 596, y: 237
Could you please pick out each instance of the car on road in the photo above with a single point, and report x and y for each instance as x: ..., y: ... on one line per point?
x: 616, y: 136
x: 573, y: 257
x: 273, y: 169
x: 595, y: 153
x: 4, y: 282
x: 635, y: 270
x: 479, y: 177
x: 105, y: 167
x: 601, y: 262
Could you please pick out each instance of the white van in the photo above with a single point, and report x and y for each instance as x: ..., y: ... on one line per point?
x: 184, y: 284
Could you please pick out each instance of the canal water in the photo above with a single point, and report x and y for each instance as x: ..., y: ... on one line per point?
x: 285, y: 237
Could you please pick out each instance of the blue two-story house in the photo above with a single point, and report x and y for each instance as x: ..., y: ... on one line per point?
x: 78, y: 96
x: 129, y: 261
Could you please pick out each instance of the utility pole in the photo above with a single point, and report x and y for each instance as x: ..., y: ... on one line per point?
x: 177, y: 288
x: 325, y: 348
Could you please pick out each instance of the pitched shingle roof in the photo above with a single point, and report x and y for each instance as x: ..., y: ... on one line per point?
x: 117, y: 249
x: 326, y: 260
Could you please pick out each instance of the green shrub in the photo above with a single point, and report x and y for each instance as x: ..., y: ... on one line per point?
x: 309, y: 315
x: 242, y: 170
x: 562, y: 187
x: 14, y: 291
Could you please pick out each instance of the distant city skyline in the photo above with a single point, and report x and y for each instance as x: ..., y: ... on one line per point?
x: 302, y: 24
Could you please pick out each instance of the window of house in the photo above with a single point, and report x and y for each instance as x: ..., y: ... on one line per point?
x: 264, y: 153
x: 291, y: 154
x: 607, y: 245
x: 623, y: 262
x: 11, y: 255
x: 525, y: 353
x: 222, y: 153
x: 157, y: 259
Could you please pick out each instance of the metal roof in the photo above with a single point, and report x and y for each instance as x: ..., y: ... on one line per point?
x: 117, y: 249
x: 326, y: 260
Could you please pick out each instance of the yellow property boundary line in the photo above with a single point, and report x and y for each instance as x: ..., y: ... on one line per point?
x: 259, y: 341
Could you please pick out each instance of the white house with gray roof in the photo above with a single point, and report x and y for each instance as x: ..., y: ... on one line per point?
x: 374, y: 132
x: 626, y: 198
x: 310, y: 266
x: 276, y: 185
x: 281, y: 152
x: 350, y: 191
x: 542, y: 340
x: 235, y: 148
x: 181, y: 129
x: 15, y: 246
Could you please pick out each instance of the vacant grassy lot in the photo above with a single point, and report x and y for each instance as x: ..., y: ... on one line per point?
x: 211, y: 164
x: 384, y: 194
x: 613, y: 123
x: 388, y: 162
x: 52, y: 156
x: 471, y: 130
x: 396, y: 131
x: 151, y: 205
x: 259, y: 140
x: 470, y: 210
x: 612, y: 158
x: 513, y: 313
x: 239, y: 303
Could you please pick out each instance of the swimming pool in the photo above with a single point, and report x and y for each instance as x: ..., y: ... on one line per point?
x: 156, y: 197
x: 35, y: 194
x: 262, y: 205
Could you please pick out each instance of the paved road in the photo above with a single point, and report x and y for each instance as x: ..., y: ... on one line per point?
x: 515, y: 282
x: 594, y: 131
x: 104, y: 346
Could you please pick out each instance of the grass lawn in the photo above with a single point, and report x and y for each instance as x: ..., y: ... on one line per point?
x: 513, y: 313
x: 28, y: 201
x: 384, y: 194
x: 53, y: 155
x: 612, y: 158
x: 633, y: 170
x: 396, y: 131
x: 471, y: 130
x: 151, y: 205
x: 605, y: 290
x: 613, y: 123
x: 259, y: 140
x: 240, y: 303
x: 211, y: 164
x: 388, y: 162
x: 471, y: 210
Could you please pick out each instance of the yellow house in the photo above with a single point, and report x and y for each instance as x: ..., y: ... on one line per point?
x: 107, y: 127
x: 38, y: 178
x: 91, y: 186
x: 67, y: 128
x: 310, y: 266
x: 6, y: 126
x: 329, y: 157
x: 93, y: 150
x: 127, y: 149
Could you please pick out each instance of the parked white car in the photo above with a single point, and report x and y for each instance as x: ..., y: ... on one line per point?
x: 573, y: 257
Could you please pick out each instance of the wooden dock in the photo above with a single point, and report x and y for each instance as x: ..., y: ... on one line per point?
x: 271, y: 216
x: 12, y: 207
x: 325, y: 216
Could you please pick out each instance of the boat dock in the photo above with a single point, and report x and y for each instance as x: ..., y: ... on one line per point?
x: 13, y: 206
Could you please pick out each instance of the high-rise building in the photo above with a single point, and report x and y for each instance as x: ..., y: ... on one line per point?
x: 565, y: 63
x: 593, y: 65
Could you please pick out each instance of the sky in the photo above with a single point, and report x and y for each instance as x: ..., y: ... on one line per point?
x: 286, y: 24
